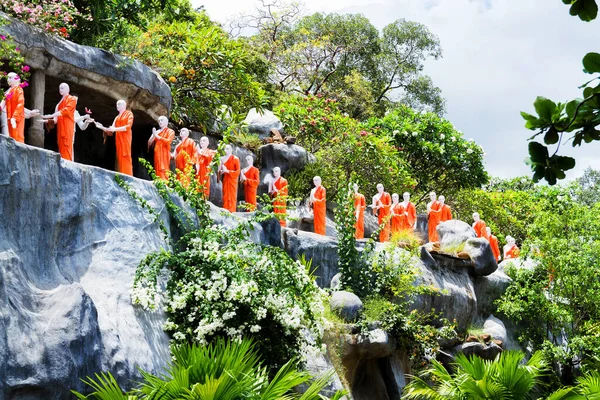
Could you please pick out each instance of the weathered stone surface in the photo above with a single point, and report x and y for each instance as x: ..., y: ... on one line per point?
x: 495, y: 328
x: 287, y: 157
x: 488, y: 289
x: 347, y: 305
x: 455, y: 295
x: 70, y: 242
x: 421, y: 227
x: 99, y: 70
x: 336, y: 282
x: 487, y: 351
x: 322, y: 250
x: 482, y: 256
x: 454, y: 232
x: 261, y: 124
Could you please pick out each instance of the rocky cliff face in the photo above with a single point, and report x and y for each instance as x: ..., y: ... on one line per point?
x: 70, y: 241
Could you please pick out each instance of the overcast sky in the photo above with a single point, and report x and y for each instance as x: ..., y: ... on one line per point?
x: 498, y: 55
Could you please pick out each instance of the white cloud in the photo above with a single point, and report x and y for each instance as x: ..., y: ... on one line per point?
x: 498, y: 56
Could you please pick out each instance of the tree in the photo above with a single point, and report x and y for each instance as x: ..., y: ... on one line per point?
x: 436, y: 155
x: 589, y: 187
x: 405, y: 45
x: 205, y: 68
x: 577, y: 118
x: 507, y: 377
x: 345, y: 57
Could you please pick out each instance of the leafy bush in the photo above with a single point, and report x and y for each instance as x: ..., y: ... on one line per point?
x: 13, y: 61
x: 223, y: 370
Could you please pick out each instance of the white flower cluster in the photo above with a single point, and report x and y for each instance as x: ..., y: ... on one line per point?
x: 145, y: 295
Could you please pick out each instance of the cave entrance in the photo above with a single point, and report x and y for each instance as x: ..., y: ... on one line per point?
x: 90, y: 146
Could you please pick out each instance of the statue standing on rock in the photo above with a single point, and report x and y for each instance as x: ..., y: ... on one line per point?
x: 479, y: 227
x: 278, y: 190
x: 203, y: 161
x: 230, y: 172
x: 382, y: 202
x: 359, y: 213
x: 434, y: 217
x: 64, y: 117
x: 250, y: 177
x: 318, y: 200
x: 122, y: 126
x: 185, y: 157
x: 161, y: 139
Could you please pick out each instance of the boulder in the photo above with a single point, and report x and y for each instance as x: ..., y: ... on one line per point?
x: 262, y: 123
x: 301, y: 217
x: 495, y: 328
x: 336, y: 283
x: 347, y: 305
x: 488, y: 289
x: 322, y: 250
x: 454, y: 295
x: 454, y: 232
x: 487, y: 351
x: 482, y: 256
x: 288, y: 157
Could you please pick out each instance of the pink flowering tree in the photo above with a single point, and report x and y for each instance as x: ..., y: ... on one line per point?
x: 11, y: 60
x: 53, y: 16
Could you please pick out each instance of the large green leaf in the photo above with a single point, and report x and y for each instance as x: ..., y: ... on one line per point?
x: 538, y: 152
x: 551, y: 136
x: 545, y: 108
x: 591, y: 63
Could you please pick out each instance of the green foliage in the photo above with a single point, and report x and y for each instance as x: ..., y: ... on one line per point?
x: 557, y: 298
x: 507, y: 377
x: 578, y: 117
x: 343, y: 149
x: 13, y: 60
x: 589, y: 187
x: 345, y: 220
x: 344, y: 56
x: 204, y: 67
x: 223, y: 370
x: 435, y: 153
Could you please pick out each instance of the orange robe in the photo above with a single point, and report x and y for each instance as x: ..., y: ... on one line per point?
x: 230, y: 183
x: 15, y: 108
x: 185, y: 158
x: 480, y: 229
x: 359, y: 207
x: 203, y: 173
x: 399, y: 219
x: 494, y: 245
x: 435, y: 217
x: 412, y: 214
x: 383, y: 213
x: 280, y: 201
x: 319, y: 207
x: 513, y: 252
x: 251, y: 186
x: 162, y: 152
x: 446, y: 213
x: 123, y: 142
x: 65, y: 126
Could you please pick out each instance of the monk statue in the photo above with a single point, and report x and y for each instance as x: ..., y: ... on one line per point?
x: 15, y: 108
x: 434, y: 217
x: 122, y: 126
x: 64, y: 118
x: 381, y: 205
x: 278, y: 190
x: 250, y: 178
x: 359, y: 213
x: 479, y: 226
x: 399, y: 221
x: 161, y: 138
x: 411, y: 211
x: 229, y: 170
x: 318, y: 200
x: 446, y: 214
x: 510, y: 249
x: 493, y: 243
x: 203, y: 160
x: 185, y: 156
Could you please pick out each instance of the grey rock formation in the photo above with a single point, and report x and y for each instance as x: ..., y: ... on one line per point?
x: 495, y: 328
x: 288, y: 157
x: 70, y: 242
x: 302, y: 218
x: 261, y: 124
x: 104, y: 72
x: 336, y: 282
x: 487, y: 351
x: 488, y: 289
x: 347, y: 305
x: 481, y: 254
x: 322, y: 250
x: 454, y: 232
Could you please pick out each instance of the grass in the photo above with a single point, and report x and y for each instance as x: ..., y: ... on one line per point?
x: 453, y: 249
x: 407, y: 239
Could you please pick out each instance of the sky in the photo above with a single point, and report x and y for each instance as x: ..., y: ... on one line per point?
x: 498, y: 56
